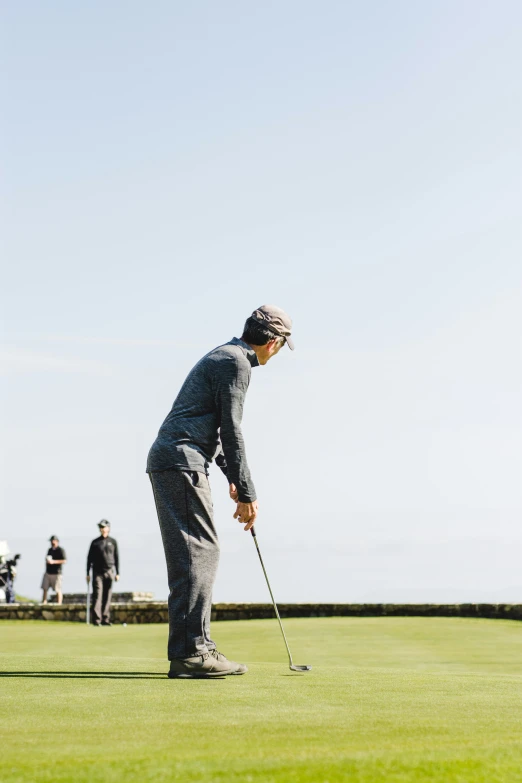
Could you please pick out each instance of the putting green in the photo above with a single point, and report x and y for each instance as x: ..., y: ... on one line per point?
x: 389, y: 700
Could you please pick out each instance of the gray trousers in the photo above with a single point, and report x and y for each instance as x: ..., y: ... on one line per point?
x: 185, y: 515
x: 101, y: 597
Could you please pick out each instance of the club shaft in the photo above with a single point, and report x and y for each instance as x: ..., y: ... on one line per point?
x: 272, y: 595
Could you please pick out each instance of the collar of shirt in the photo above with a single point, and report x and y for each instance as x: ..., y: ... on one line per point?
x: 249, y: 352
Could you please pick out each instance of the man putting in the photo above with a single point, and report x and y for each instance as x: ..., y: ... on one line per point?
x: 205, y: 424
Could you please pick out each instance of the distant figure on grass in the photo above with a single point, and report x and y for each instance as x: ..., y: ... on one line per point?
x: 104, y: 560
x: 7, y: 574
x: 205, y: 423
x: 52, y: 579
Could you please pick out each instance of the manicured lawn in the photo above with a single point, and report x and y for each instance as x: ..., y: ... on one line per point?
x: 388, y: 700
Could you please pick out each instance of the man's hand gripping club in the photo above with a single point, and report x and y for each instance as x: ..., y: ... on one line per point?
x: 245, y: 513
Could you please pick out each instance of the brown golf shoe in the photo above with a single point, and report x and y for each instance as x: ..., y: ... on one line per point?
x: 200, y: 667
x: 240, y: 668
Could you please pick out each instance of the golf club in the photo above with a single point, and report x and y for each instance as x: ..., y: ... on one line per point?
x: 294, y: 667
x: 88, y: 607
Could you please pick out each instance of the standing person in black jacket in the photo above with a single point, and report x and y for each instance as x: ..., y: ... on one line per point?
x: 104, y: 560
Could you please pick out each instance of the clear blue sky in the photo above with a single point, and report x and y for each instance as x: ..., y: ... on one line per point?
x: 168, y: 167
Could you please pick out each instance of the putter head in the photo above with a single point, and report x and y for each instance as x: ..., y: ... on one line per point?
x: 300, y: 668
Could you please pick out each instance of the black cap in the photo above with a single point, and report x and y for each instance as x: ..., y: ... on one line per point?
x: 104, y: 523
x: 54, y: 538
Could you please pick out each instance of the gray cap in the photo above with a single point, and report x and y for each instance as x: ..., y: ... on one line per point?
x: 276, y: 320
x: 104, y: 523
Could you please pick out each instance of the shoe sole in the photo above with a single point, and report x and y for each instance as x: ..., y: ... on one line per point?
x: 196, y: 675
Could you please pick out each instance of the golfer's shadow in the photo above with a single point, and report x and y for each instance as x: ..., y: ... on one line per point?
x: 96, y: 675
x: 89, y: 675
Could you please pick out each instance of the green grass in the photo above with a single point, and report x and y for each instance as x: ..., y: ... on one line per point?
x: 389, y: 700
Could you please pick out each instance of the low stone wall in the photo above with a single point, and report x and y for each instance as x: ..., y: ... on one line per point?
x: 146, y: 612
x: 262, y: 611
x: 117, y: 598
x: 156, y: 611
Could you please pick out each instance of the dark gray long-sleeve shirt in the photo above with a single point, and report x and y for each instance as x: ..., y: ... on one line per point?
x: 205, y: 420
